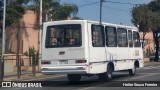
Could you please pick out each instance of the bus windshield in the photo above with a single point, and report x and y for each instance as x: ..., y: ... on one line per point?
x: 63, y: 36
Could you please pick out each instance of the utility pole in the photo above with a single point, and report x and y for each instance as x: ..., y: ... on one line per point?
x: 40, y: 31
x: 100, y: 19
x: 3, y: 43
x: 18, y: 51
x: 40, y: 34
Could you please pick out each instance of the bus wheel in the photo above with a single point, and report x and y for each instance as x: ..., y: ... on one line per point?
x: 74, y: 77
x: 132, y: 71
x: 107, y: 75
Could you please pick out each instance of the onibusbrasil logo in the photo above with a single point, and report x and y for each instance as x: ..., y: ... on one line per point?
x: 20, y: 84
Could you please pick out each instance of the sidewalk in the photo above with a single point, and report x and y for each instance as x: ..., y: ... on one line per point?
x: 147, y: 62
x: 25, y: 77
x: 29, y: 76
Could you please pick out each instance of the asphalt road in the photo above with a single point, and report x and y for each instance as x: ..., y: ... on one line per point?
x: 150, y: 72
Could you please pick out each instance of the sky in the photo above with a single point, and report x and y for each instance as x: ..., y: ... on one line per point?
x: 111, y: 12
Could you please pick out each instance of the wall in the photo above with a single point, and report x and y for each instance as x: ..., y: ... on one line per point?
x: 29, y: 27
x: 149, y: 42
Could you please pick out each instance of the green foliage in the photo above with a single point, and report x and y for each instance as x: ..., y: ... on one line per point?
x: 138, y: 13
x: 31, y: 7
x: 65, y: 10
x: 147, y: 16
x: 1, y: 11
x: 24, y: 1
x: 14, y: 11
x: 32, y: 51
x: 76, y: 18
x: 35, y: 7
x: 58, y: 11
x: 154, y: 5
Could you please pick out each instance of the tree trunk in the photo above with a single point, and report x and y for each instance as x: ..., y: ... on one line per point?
x: 157, y: 45
x: 144, y: 33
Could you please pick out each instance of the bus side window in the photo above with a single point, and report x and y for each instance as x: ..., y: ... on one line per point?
x: 130, y: 39
x: 122, y: 37
x: 136, y: 39
x: 111, y: 38
x: 97, y: 36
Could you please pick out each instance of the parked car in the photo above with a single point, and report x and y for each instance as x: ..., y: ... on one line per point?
x: 152, y: 56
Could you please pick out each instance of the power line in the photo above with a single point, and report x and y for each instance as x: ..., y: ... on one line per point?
x: 108, y: 6
x: 88, y: 4
x: 121, y: 3
x: 117, y: 9
x: 108, y: 2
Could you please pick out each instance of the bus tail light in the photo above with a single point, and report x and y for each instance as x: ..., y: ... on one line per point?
x: 81, y: 61
x: 45, y: 62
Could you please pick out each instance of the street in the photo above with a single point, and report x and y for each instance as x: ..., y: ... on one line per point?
x: 150, y: 72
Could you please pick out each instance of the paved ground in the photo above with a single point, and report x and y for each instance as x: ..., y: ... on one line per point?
x: 151, y: 72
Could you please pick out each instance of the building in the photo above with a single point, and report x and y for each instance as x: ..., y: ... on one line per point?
x: 149, y: 45
x: 29, y: 30
x: 29, y: 34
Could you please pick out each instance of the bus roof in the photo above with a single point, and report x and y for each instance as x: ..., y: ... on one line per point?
x: 95, y: 22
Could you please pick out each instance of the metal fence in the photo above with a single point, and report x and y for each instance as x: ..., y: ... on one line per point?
x: 27, y: 64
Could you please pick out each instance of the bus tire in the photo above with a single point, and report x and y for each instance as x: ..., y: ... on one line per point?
x: 132, y: 71
x: 74, y: 77
x: 107, y: 75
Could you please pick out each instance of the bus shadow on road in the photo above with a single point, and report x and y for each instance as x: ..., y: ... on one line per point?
x: 91, y: 81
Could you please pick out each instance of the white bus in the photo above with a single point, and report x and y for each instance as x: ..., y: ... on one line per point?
x: 83, y: 47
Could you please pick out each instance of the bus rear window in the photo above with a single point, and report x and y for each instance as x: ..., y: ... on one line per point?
x: 63, y: 36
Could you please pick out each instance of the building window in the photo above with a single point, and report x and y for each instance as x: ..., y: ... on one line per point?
x: 97, y: 36
x: 122, y: 37
x: 111, y: 40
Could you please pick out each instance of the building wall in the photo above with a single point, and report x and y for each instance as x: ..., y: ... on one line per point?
x: 11, y: 39
x: 149, y: 45
x: 30, y: 36
x: 29, y: 33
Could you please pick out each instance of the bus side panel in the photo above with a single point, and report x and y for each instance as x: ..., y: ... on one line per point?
x: 118, y: 55
x: 131, y: 57
x: 139, y: 55
x: 97, y: 56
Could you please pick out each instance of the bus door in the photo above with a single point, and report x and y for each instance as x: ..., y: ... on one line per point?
x: 130, y: 48
x: 137, y: 45
x: 97, y: 48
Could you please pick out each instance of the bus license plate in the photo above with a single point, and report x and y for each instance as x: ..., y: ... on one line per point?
x: 64, y: 62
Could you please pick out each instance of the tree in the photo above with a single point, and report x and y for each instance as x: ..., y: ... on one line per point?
x: 147, y: 17
x: 64, y: 11
x: 77, y: 18
x: 155, y: 7
x: 1, y: 13
x: 14, y: 11
x: 47, y: 7
x: 54, y: 10
x: 141, y: 18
